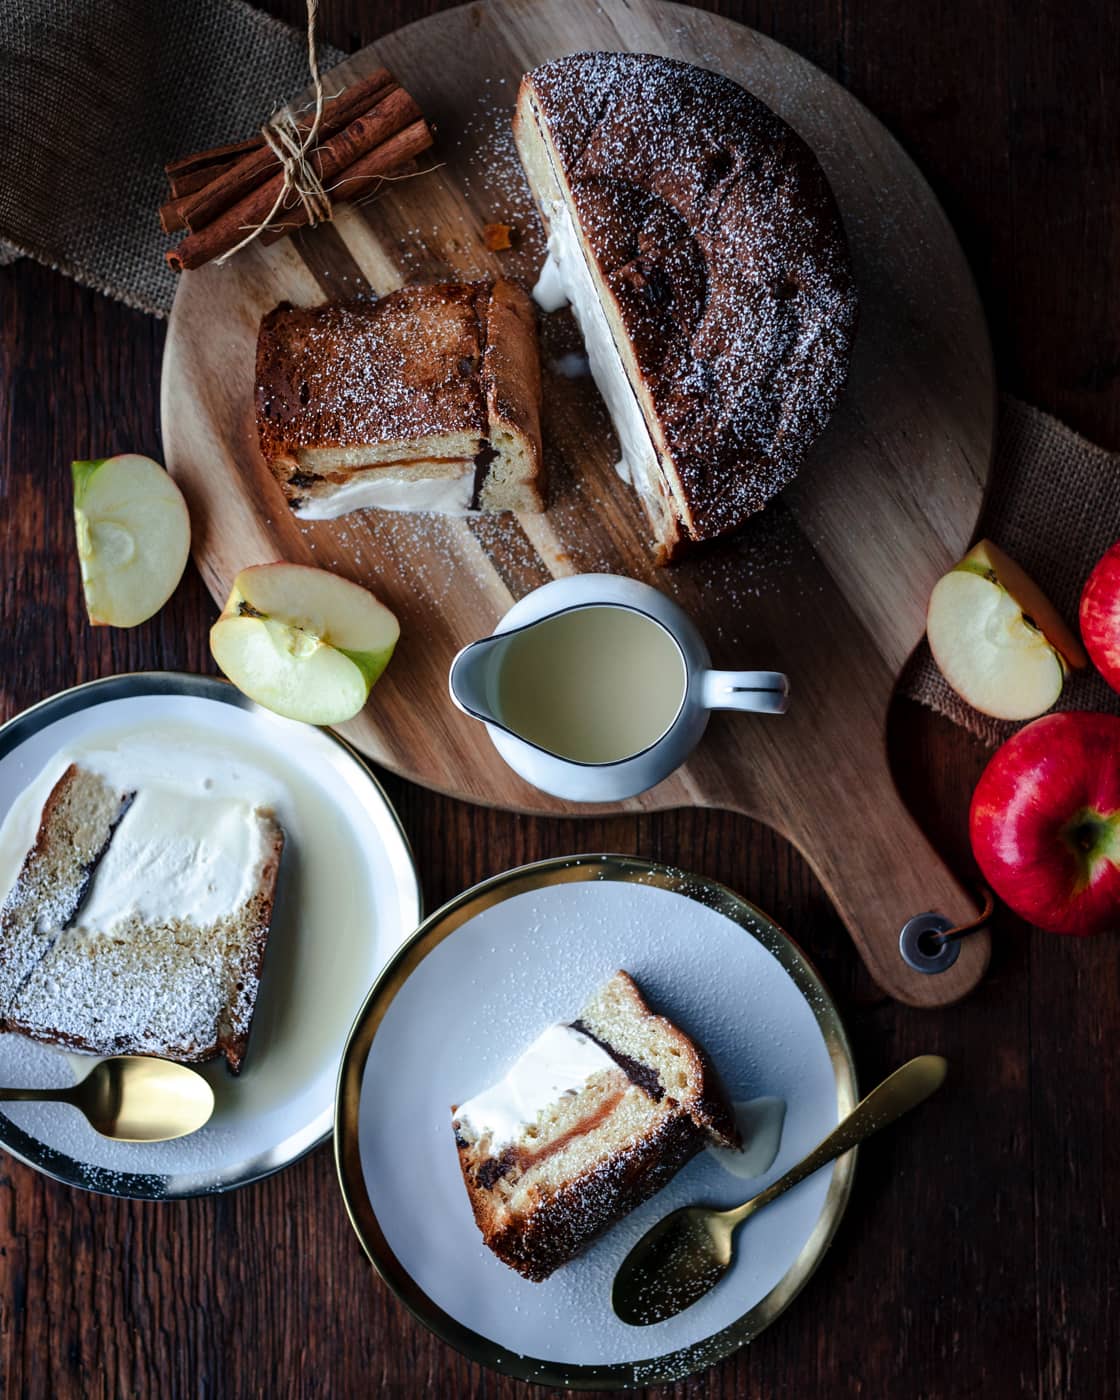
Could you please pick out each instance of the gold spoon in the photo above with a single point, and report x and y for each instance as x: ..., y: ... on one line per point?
x: 681, y: 1257
x: 134, y: 1098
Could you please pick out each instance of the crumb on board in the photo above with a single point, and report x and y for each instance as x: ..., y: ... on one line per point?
x: 499, y: 237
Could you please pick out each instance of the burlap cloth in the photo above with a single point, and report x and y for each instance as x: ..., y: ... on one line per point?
x: 95, y: 98
x: 1054, y: 505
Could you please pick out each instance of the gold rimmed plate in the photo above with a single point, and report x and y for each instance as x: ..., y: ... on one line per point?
x: 477, y: 982
x: 346, y: 897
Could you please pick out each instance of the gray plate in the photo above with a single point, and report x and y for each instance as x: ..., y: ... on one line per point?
x: 481, y: 977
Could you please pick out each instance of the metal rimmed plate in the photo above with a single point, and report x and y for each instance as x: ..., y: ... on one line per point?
x: 478, y: 980
x: 348, y: 894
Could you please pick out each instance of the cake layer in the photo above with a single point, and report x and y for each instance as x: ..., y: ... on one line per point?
x: 566, y: 280
x: 592, y: 1119
x: 712, y: 244
x: 78, y: 819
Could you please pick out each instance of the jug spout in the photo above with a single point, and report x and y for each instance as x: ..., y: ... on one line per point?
x: 473, y: 679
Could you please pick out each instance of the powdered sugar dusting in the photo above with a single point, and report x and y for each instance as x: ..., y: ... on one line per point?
x: 404, y: 367
x: 140, y: 992
x: 493, y: 180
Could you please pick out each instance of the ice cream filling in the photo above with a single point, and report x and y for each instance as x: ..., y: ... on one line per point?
x: 565, y: 279
x: 444, y: 495
x: 560, y: 1061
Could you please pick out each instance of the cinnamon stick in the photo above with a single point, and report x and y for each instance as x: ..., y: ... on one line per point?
x: 171, y: 213
x: 393, y: 114
x: 170, y: 217
x: 193, y: 180
x: 251, y: 170
x: 364, y: 176
x: 190, y: 173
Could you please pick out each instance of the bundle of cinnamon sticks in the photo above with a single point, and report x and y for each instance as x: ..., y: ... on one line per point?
x: 366, y: 132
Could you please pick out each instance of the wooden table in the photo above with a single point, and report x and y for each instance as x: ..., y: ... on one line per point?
x: 978, y: 1257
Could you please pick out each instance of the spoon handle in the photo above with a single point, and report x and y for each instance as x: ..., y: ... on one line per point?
x: 36, y: 1095
x: 896, y: 1095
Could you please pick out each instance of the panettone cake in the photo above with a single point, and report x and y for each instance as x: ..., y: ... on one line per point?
x: 138, y: 920
x: 698, y: 242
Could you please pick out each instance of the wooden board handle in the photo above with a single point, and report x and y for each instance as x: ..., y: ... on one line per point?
x: 875, y: 906
x: 879, y: 870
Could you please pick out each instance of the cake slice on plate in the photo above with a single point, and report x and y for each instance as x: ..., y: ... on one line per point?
x: 428, y: 399
x: 138, y: 921
x: 588, y: 1123
x: 698, y: 242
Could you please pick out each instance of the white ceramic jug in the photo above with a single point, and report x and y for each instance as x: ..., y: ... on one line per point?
x: 474, y: 684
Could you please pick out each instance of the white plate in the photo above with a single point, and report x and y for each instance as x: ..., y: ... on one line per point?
x: 347, y: 896
x: 480, y: 979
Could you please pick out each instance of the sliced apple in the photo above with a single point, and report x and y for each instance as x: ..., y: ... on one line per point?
x: 134, y: 535
x: 997, y: 638
x: 303, y: 641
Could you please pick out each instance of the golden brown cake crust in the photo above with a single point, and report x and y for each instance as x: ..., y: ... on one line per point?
x: 563, y: 1224
x: 447, y: 360
x: 709, y: 1108
x: 511, y: 370
x: 716, y: 232
x: 246, y: 964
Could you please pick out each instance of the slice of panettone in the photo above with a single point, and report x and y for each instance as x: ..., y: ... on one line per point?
x: 591, y: 1120
x: 427, y: 399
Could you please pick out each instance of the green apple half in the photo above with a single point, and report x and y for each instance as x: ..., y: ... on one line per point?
x: 997, y: 638
x: 134, y: 535
x: 303, y: 641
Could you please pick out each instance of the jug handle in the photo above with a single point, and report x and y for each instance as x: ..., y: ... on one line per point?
x: 764, y: 692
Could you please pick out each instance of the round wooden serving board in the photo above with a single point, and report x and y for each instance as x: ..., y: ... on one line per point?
x: 828, y: 584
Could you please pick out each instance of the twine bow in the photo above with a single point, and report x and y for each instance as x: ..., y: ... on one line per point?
x: 294, y: 151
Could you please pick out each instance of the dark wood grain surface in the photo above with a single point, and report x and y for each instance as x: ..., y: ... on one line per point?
x: 979, y: 1254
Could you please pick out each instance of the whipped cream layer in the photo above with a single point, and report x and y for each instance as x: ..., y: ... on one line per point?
x: 443, y: 495
x: 560, y: 1061
x: 565, y: 278
x: 189, y: 847
x: 175, y: 856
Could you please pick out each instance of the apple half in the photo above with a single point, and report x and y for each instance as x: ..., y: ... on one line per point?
x: 303, y: 642
x: 997, y: 638
x: 134, y: 535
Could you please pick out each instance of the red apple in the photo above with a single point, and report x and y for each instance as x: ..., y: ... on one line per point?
x: 1100, y: 616
x: 1045, y: 822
